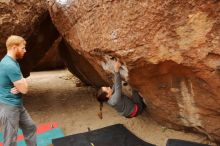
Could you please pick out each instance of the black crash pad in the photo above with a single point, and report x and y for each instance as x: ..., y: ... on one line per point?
x: 177, y: 142
x: 115, y: 135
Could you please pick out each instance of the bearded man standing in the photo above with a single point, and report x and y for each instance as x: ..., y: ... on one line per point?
x: 13, y: 115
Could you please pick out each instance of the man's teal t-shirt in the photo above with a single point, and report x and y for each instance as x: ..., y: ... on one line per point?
x: 9, y: 73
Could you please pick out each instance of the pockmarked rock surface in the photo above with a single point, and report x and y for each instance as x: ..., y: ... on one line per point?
x: 20, y: 18
x: 169, y: 49
x: 29, y: 19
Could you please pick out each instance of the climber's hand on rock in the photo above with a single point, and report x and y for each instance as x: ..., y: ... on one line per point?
x: 117, y: 66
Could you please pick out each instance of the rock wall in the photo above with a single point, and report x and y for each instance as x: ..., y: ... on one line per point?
x: 169, y: 49
x: 29, y: 19
x: 51, y: 59
x: 38, y: 45
x: 79, y: 66
x: 19, y: 17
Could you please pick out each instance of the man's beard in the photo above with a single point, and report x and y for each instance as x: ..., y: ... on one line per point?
x: 19, y: 55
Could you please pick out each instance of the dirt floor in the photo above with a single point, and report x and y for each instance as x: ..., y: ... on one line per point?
x: 53, y: 96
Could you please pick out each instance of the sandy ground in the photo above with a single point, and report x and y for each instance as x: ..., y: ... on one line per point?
x: 54, y: 96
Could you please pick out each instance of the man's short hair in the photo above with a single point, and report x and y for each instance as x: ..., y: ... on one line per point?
x: 14, y: 40
x: 101, y: 96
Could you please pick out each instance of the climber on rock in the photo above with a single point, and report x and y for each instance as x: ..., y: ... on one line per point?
x: 124, y: 105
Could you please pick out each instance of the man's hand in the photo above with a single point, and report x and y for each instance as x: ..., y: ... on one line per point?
x: 117, y: 66
x: 14, y: 90
x: 21, y: 85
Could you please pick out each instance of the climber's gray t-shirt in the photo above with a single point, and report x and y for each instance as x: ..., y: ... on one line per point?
x: 120, y: 102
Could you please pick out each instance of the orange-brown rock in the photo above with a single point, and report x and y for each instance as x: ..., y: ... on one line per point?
x: 29, y: 19
x: 79, y: 65
x: 51, y: 59
x: 170, y: 50
x: 19, y: 17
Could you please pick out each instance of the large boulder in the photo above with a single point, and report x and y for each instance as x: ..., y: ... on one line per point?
x: 79, y: 65
x: 29, y: 19
x: 51, y: 59
x: 19, y: 17
x: 170, y: 50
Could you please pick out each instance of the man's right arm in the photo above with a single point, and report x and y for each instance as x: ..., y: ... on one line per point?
x: 117, y: 87
x: 21, y: 85
x: 117, y: 83
x: 116, y: 96
x: 117, y: 77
